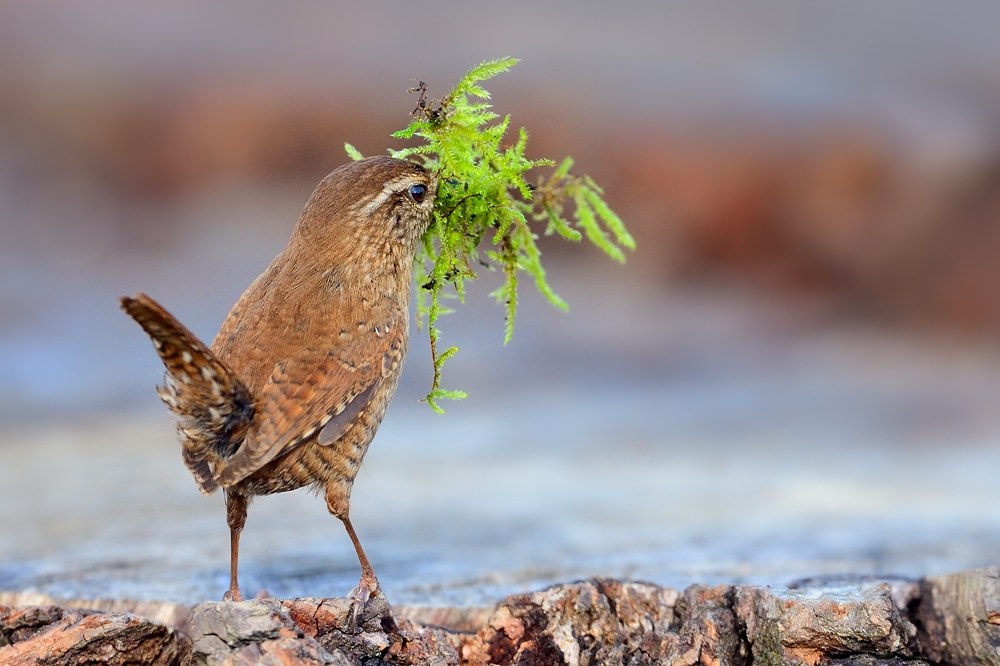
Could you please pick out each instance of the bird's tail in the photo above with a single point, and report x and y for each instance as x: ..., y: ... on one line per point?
x: 213, y: 406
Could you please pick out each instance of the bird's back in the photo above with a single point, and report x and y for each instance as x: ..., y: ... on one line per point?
x: 307, y: 348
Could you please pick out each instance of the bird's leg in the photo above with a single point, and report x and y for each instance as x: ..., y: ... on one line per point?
x: 368, y: 586
x: 236, y: 516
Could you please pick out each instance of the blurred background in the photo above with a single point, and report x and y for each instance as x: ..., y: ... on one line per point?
x: 794, y: 375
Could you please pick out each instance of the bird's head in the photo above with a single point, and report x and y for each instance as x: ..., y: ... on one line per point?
x: 368, y: 215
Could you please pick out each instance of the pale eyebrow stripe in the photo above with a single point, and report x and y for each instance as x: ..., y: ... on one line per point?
x: 369, y: 206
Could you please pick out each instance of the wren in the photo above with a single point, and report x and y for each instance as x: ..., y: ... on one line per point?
x: 295, y: 384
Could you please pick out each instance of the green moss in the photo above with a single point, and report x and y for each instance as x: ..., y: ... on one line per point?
x: 486, y: 213
x: 767, y: 648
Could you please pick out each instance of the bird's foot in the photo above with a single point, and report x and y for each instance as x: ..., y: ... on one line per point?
x: 368, y: 591
x: 232, y: 594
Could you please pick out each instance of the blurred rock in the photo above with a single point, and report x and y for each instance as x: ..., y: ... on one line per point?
x: 467, y: 620
x: 838, y: 209
x: 172, y: 615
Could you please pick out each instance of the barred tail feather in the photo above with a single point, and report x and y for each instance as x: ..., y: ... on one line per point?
x: 213, y: 406
x: 200, y: 470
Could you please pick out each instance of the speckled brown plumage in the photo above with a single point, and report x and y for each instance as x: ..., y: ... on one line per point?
x: 297, y: 381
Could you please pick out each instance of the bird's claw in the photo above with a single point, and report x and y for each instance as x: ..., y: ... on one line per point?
x: 368, y: 590
x: 232, y: 594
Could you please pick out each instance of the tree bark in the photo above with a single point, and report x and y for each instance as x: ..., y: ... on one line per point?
x: 952, y: 620
x: 51, y: 636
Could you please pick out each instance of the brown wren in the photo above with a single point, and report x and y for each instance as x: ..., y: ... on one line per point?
x: 295, y: 384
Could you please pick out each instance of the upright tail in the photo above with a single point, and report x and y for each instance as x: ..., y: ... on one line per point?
x: 214, y: 408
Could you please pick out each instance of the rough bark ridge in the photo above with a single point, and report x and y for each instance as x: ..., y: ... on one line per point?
x: 52, y: 636
x: 950, y: 620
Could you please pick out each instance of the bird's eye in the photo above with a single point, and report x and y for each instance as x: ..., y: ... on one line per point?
x: 417, y: 193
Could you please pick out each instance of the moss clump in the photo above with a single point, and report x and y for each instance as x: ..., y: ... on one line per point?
x: 485, y: 207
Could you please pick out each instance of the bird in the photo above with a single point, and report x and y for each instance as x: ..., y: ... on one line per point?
x: 295, y: 384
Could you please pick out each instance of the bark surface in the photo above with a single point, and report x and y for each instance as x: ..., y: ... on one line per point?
x: 951, y: 620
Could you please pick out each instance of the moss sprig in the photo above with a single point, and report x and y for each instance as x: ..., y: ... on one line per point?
x: 484, y: 200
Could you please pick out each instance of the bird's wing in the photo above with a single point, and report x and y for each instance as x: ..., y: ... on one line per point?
x: 213, y: 405
x: 318, y: 393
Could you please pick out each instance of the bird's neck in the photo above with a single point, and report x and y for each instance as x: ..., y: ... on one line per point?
x: 378, y: 275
